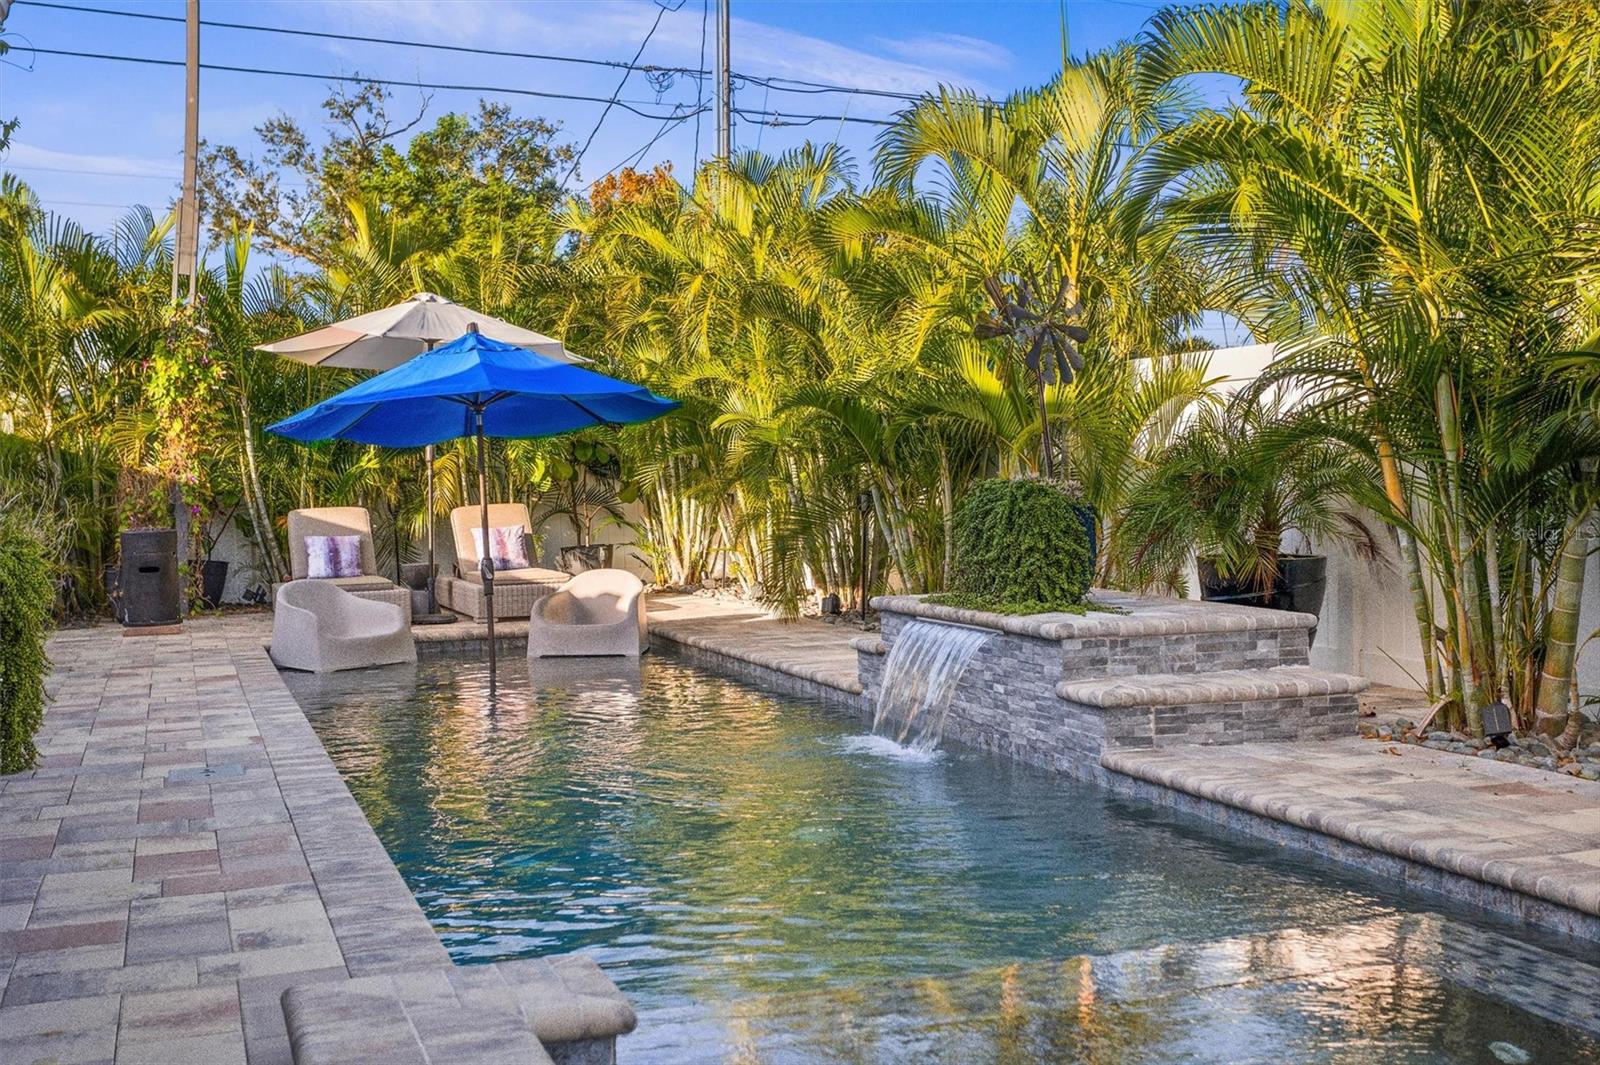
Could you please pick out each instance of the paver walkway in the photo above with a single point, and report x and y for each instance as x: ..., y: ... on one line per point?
x: 812, y: 650
x: 184, y: 852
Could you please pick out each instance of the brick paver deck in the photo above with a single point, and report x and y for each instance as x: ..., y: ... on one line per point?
x: 184, y: 852
x: 1533, y: 832
x: 807, y: 649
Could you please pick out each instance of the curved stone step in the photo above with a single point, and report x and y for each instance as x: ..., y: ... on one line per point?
x: 516, y: 1012
x: 1221, y: 686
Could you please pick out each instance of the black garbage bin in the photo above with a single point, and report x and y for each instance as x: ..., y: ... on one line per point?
x: 149, y: 583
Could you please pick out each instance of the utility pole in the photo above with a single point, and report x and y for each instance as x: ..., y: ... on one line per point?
x: 724, y: 85
x: 186, y: 260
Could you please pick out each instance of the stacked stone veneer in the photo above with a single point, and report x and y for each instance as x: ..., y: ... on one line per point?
x: 1061, y: 689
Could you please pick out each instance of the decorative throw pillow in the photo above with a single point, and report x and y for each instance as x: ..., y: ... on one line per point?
x: 506, y: 546
x: 333, y: 556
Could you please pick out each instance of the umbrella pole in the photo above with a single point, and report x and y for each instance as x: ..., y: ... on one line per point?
x: 433, y: 599
x: 485, y: 559
x: 433, y: 602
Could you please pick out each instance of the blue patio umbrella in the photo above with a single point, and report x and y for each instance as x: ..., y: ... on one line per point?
x: 474, y: 386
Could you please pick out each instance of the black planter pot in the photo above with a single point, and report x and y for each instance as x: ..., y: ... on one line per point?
x: 213, y: 579
x: 1302, y: 582
x: 579, y: 559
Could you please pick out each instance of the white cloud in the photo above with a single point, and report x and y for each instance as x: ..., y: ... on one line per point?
x: 949, y: 50
x: 27, y: 156
x: 612, y: 31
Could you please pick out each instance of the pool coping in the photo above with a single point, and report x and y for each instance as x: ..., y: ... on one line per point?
x: 1502, y: 889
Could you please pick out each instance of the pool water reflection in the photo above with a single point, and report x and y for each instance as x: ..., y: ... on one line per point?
x: 766, y: 885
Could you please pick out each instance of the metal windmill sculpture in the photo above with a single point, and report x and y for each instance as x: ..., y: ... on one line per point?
x: 1043, y: 330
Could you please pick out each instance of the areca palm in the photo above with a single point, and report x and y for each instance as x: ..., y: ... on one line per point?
x: 1412, y: 177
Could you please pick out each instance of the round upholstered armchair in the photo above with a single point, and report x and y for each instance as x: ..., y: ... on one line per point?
x: 600, y: 612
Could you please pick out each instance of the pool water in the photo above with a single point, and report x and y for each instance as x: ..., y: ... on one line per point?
x: 768, y: 885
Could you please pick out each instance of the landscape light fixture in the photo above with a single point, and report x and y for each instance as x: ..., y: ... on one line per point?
x: 1497, y: 724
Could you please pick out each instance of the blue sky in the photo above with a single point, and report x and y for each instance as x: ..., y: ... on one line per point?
x: 97, y: 136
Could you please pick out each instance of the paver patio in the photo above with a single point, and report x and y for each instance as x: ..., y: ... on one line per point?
x: 184, y: 852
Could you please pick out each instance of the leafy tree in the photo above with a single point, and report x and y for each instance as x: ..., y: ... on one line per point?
x: 468, y: 175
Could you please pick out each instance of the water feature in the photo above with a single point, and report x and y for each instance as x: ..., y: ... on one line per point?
x: 920, y: 673
x: 767, y: 884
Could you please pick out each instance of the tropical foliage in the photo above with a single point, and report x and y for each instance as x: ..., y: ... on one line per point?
x: 1401, y: 195
x: 26, y: 597
x: 1405, y: 192
x: 1021, y: 547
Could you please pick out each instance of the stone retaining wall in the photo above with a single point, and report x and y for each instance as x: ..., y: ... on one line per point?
x: 1155, y: 673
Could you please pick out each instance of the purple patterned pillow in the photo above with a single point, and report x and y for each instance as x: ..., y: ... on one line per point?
x: 507, y: 547
x: 333, y: 556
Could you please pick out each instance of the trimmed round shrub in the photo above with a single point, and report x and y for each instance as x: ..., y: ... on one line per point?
x: 1021, y: 547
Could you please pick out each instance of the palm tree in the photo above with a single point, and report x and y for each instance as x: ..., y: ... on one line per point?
x: 1233, y: 483
x: 1398, y: 197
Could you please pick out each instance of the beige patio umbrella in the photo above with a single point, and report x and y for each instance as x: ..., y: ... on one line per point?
x: 381, y: 340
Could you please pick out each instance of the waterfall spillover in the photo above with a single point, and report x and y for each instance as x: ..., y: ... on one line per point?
x: 919, y: 678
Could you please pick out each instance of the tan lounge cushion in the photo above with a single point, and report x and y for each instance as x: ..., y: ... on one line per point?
x: 531, y: 575
x: 366, y: 581
x: 464, y: 519
x: 329, y: 521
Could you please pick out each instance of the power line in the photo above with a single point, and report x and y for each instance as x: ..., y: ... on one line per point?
x: 256, y: 27
x: 661, y: 10
x: 121, y: 175
x: 89, y: 203
x: 174, y: 176
x: 311, y: 76
x: 797, y: 85
x: 779, y: 84
x: 773, y: 118
x: 785, y: 118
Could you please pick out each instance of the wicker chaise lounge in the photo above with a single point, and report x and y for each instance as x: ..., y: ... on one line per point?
x: 342, y: 521
x: 515, y: 590
x: 321, y: 628
x: 600, y: 612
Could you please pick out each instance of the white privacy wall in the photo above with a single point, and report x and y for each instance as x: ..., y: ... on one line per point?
x: 1367, y: 623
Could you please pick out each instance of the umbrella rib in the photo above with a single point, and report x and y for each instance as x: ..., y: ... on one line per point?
x: 592, y: 414
x: 363, y: 417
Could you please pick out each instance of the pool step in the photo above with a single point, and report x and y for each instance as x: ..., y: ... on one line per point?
x: 1217, y: 686
x: 534, y: 1012
x: 1277, y: 703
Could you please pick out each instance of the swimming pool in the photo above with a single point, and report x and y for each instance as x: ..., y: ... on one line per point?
x: 766, y: 884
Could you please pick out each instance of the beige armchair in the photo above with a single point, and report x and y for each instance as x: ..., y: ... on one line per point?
x: 343, y: 521
x: 515, y: 590
x: 600, y: 612
x: 321, y: 628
